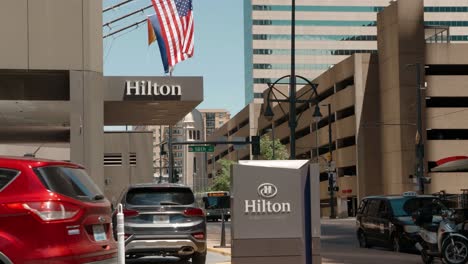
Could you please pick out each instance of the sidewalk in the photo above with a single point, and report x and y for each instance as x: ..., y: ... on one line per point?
x: 212, y: 245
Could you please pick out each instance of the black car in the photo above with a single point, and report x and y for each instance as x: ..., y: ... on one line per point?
x: 163, y: 219
x: 386, y: 221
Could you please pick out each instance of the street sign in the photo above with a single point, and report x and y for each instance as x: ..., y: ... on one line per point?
x: 201, y: 148
x: 222, y: 139
x: 239, y: 139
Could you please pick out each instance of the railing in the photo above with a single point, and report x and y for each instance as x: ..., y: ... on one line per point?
x: 437, y: 34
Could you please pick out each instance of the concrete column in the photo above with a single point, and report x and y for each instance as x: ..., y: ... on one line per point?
x: 87, y: 123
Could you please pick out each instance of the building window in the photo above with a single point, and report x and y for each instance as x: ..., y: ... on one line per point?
x: 447, y: 134
x: 442, y: 69
x: 457, y: 102
x: 210, y: 116
x: 198, y: 135
x: 258, y: 95
x: 365, y: 23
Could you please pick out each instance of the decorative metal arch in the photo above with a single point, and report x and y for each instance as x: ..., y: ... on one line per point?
x: 313, y: 88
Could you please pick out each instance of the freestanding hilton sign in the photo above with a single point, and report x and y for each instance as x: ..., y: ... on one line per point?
x: 275, y: 212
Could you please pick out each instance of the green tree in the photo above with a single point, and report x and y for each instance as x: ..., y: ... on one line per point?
x: 266, y: 149
x: 222, y: 181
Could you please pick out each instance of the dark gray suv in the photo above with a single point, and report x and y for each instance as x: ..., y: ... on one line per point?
x: 162, y: 219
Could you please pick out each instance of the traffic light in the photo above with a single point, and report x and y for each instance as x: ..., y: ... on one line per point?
x: 162, y: 152
x: 255, y: 144
x: 176, y: 176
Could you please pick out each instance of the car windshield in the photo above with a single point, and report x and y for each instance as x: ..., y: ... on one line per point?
x: 71, y: 182
x: 160, y: 196
x: 407, y: 206
x: 221, y: 202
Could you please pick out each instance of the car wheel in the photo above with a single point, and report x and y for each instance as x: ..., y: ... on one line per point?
x: 362, y: 240
x: 396, y: 243
x: 198, y: 258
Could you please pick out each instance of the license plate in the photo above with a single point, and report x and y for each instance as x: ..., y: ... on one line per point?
x: 161, y: 219
x: 99, y: 233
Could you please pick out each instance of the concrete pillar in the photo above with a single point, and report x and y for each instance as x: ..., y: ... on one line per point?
x: 400, y: 41
x: 87, y: 123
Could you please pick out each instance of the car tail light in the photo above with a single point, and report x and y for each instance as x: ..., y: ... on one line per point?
x: 194, y: 212
x: 49, y: 210
x: 130, y: 213
x: 199, y: 236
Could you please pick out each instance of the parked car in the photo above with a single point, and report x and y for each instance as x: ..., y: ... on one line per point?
x: 162, y: 219
x: 386, y: 221
x: 52, y: 212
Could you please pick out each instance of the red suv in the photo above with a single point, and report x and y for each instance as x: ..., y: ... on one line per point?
x: 52, y: 212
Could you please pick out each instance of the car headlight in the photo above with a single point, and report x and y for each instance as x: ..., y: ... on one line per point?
x: 411, y: 228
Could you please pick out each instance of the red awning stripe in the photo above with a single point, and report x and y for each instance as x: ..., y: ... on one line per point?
x: 450, y: 159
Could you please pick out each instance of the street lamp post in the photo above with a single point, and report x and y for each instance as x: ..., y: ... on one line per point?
x: 171, y: 156
x: 273, y: 138
x: 419, y: 141
x: 317, y: 116
x: 292, y: 99
x: 268, y: 113
x: 292, y: 84
x: 272, y: 130
x: 331, y: 179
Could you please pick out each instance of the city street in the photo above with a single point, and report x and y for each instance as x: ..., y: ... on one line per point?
x: 339, y: 245
x: 213, y: 258
x: 214, y: 231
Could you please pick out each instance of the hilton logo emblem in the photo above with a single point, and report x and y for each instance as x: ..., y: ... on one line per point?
x: 267, y: 190
x: 262, y: 206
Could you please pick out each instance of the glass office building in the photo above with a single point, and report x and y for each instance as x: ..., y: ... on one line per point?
x: 327, y: 31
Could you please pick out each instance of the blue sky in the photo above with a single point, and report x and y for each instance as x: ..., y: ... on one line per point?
x: 219, y: 50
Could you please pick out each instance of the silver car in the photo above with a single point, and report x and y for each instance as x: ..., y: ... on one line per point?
x: 162, y: 219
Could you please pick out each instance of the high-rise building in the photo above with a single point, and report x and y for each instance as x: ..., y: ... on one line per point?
x: 214, y: 119
x: 327, y: 31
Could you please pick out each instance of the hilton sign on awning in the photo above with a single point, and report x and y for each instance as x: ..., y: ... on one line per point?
x: 149, y: 90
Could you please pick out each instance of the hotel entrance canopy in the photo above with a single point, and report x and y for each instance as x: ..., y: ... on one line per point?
x: 38, y: 106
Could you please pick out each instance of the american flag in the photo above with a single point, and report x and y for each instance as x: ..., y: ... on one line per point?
x: 176, y: 20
